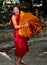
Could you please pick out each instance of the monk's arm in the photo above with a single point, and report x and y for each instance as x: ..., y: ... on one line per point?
x: 15, y: 23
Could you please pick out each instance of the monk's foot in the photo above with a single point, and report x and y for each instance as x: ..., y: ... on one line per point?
x: 22, y: 62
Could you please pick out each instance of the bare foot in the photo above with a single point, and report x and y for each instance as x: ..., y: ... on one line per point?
x: 22, y: 62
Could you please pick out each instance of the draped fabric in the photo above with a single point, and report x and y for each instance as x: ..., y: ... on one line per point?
x: 35, y: 25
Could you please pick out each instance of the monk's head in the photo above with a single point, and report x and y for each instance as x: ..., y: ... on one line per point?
x: 16, y: 10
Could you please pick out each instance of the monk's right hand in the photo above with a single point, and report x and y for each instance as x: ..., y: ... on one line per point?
x: 26, y: 24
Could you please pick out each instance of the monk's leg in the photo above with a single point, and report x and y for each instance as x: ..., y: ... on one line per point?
x: 16, y: 61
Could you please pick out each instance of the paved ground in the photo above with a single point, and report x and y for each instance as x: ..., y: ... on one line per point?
x: 36, y: 56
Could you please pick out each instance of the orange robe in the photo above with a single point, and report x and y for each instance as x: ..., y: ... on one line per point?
x: 35, y: 25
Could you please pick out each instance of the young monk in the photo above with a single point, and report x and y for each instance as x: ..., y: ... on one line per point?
x: 20, y: 43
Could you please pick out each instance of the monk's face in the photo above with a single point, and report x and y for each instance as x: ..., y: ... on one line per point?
x: 16, y: 10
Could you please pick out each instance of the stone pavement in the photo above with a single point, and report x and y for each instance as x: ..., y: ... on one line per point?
x: 4, y: 60
x: 36, y: 56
